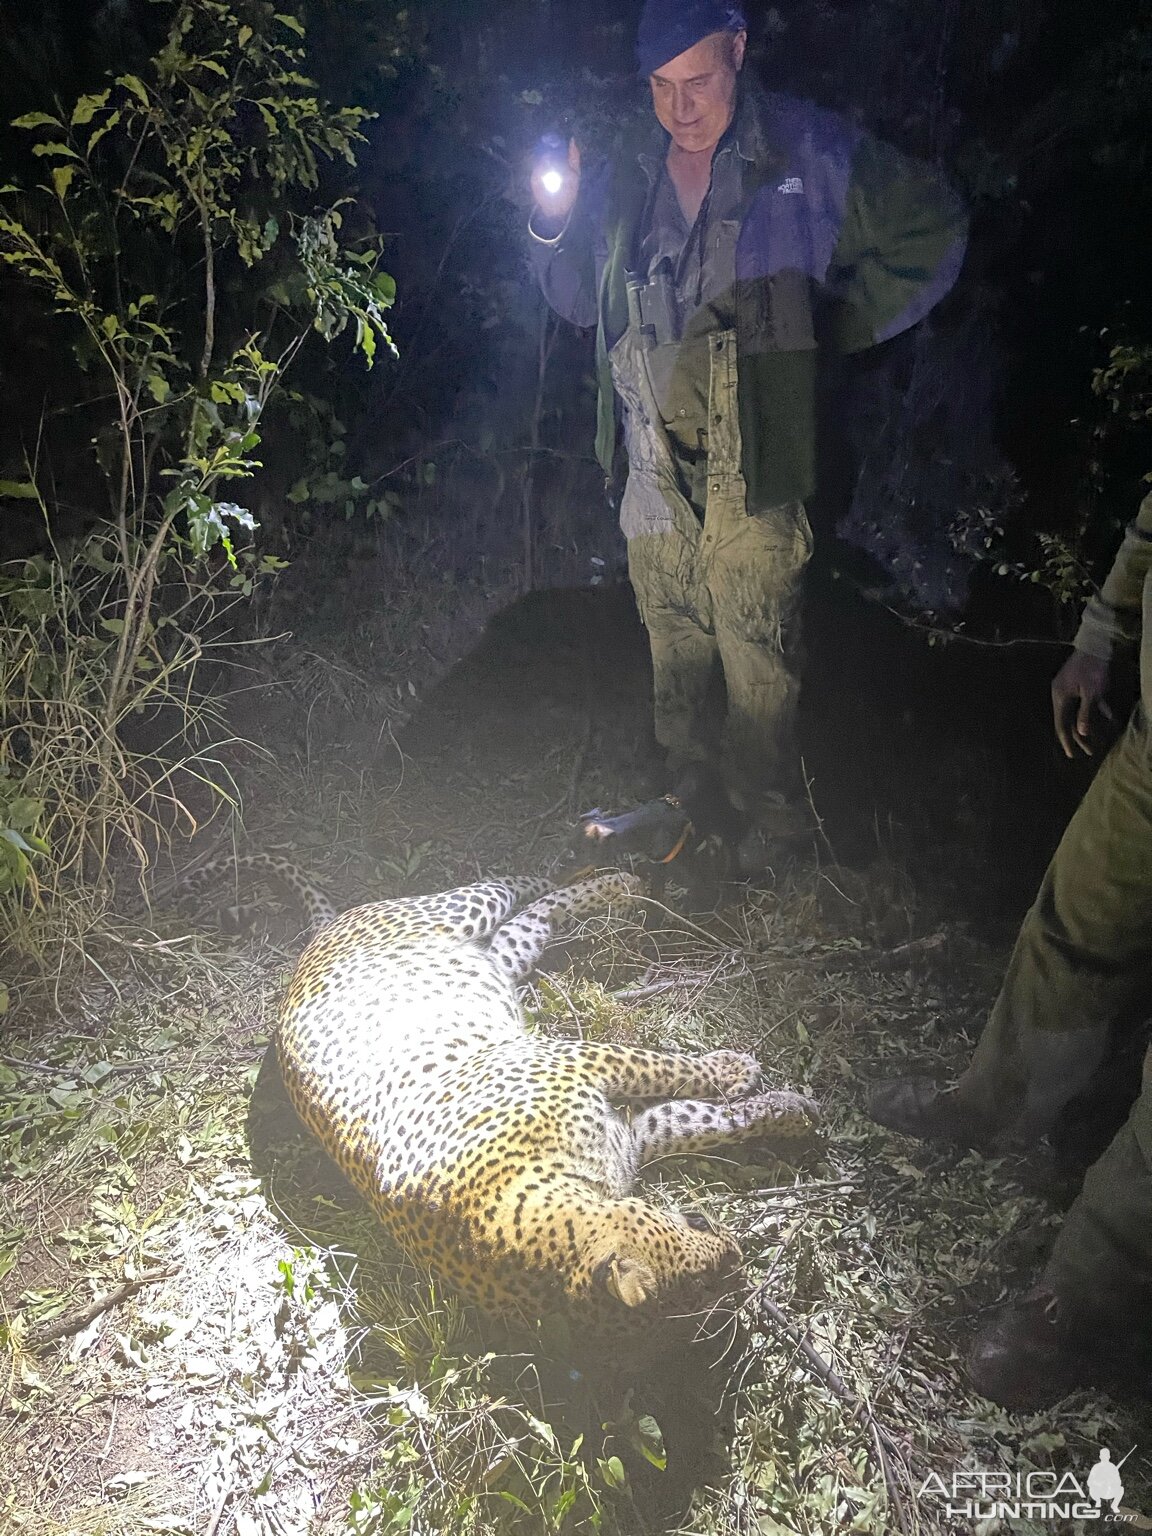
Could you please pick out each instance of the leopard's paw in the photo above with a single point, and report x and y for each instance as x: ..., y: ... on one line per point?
x: 781, y: 1115
x: 737, y: 1073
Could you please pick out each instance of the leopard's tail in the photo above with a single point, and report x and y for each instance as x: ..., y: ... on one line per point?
x: 317, y: 904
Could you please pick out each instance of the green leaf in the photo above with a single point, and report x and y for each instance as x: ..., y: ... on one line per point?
x: 244, y: 36
x: 55, y: 148
x: 223, y: 390
x: 158, y: 387
x: 214, y: 66
x: 509, y: 1498
x: 650, y: 1441
x: 134, y: 84
x: 87, y: 107
x: 24, y: 812
x: 19, y: 490
x: 291, y: 22
x: 561, y: 1507
x: 37, y: 120
x: 62, y: 179
x: 613, y: 1473
x: 105, y: 127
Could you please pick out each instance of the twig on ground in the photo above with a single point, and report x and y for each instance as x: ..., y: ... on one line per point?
x: 653, y: 989
x: 111, y: 1435
x: 874, y: 959
x: 63, y: 1068
x: 218, y: 1512
x: 25, y: 1064
x: 764, y: 1309
x: 652, y: 986
x: 65, y: 1327
x: 816, y: 816
x: 557, y: 986
x: 814, y: 1187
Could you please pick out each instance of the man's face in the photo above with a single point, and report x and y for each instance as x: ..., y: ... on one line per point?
x: 694, y: 94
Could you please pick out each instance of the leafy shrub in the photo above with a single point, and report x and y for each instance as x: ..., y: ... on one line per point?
x: 168, y: 192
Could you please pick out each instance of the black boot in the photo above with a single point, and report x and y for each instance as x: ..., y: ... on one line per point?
x: 1037, y: 1349
x: 919, y: 1107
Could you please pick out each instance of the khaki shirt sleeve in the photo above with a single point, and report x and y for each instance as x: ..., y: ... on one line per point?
x: 1111, y: 622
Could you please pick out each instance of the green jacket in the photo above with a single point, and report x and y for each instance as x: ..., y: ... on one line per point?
x: 844, y: 242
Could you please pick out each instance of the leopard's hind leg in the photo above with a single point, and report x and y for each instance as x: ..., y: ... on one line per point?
x: 518, y: 944
x: 475, y: 911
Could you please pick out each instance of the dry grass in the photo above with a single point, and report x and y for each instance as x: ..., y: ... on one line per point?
x: 109, y: 748
x: 294, y: 1376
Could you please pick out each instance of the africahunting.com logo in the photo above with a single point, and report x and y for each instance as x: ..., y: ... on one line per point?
x: 980, y: 1496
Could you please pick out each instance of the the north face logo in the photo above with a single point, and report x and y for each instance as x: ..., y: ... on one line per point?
x: 791, y: 184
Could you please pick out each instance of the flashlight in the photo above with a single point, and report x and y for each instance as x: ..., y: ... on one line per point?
x: 552, y: 168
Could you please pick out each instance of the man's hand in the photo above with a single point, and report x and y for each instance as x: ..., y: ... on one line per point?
x: 558, y: 203
x: 1078, y: 691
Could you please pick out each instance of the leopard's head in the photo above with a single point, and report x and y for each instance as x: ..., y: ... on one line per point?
x: 643, y: 1264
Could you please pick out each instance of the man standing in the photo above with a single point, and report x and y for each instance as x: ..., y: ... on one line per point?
x: 1079, y: 977
x: 715, y: 261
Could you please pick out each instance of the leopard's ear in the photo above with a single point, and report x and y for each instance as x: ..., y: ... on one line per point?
x: 629, y: 1280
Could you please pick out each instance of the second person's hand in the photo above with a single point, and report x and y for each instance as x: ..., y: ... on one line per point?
x: 1078, y: 694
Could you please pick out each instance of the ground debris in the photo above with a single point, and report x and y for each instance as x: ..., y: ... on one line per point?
x: 294, y: 1378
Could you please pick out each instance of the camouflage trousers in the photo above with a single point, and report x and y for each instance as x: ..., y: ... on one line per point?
x: 727, y: 590
x: 1079, y: 976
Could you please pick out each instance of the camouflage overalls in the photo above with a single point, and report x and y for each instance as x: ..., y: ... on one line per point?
x: 713, y: 583
x: 813, y: 237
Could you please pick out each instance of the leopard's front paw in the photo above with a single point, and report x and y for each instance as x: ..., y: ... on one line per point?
x: 781, y: 1116
x: 737, y: 1073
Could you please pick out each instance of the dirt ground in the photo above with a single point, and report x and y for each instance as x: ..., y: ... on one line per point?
x: 280, y: 1371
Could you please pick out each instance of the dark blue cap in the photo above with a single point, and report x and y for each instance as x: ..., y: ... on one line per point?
x: 668, y: 27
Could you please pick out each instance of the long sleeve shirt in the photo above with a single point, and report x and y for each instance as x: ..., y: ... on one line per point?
x: 1114, y: 619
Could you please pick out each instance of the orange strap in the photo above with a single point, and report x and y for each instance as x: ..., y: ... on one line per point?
x: 679, y: 848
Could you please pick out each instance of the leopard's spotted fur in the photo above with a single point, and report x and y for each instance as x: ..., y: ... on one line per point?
x: 496, y: 1157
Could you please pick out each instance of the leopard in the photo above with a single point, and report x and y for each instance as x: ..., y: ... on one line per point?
x: 316, y: 904
x: 502, y: 1161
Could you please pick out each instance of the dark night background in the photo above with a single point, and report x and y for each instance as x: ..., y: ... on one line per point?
x: 1037, y: 107
x: 953, y: 458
